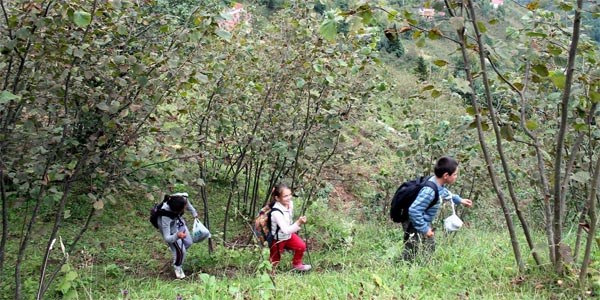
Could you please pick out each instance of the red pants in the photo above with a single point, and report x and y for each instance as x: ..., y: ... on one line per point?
x: 295, y: 243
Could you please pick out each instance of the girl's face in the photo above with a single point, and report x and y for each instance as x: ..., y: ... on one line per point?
x: 284, y: 196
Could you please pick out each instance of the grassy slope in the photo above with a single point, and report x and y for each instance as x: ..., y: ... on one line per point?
x: 119, y: 255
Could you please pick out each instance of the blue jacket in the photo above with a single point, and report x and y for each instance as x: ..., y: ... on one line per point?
x: 419, y: 215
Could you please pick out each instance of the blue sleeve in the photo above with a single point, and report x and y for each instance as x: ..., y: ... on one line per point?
x: 456, y: 199
x: 444, y: 193
x: 416, y: 212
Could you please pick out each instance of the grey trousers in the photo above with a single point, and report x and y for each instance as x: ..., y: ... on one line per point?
x: 179, y: 248
x: 416, y: 243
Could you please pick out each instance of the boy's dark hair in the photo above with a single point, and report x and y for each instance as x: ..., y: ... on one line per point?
x: 176, y: 203
x: 444, y: 165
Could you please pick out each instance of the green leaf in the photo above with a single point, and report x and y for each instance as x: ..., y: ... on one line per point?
x: 223, y: 34
x: 470, y: 110
x: 420, y: 43
x: 462, y: 85
x: 554, y: 50
x: 82, y: 18
x: 458, y: 23
x: 328, y: 29
x: 595, y: 96
x: 434, y: 34
x: 581, y: 176
x: 122, y: 30
x: 531, y: 125
x: 565, y: 6
x: 201, y: 77
x: 366, y: 15
x: 435, y: 94
x: 7, y: 96
x: 519, y: 86
x: 536, y: 34
x: 103, y: 106
x: 71, y: 276
x: 72, y: 164
x: 481, y: 27
x: 507, y: 133
x: 440, y: 62
x: 558, y: 78
x: 512, y: 32
x: 391, y: 16
x: 541, y: 70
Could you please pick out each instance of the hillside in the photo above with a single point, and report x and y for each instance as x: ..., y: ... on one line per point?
x: 115, y: 104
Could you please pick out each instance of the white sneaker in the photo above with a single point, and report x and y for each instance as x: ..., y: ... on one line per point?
x: 179, y: 272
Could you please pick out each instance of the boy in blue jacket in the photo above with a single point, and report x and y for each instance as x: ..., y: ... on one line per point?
x: 417, y: 229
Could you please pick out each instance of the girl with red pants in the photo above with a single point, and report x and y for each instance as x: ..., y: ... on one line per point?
x: 284, y: 230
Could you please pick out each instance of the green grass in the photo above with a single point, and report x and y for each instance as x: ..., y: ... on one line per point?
x: 128, y: 260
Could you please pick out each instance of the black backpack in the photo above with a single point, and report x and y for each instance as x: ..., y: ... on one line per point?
x: 405, y: 196
x: 157, y: 211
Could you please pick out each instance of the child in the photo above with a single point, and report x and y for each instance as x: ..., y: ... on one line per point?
x: 284, y: 230
x: 417, y: 229
x: 174, y: 230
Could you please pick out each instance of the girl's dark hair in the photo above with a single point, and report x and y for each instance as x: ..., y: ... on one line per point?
x: 278, y: 190
x: 176, y: 203
x: 444, y: 165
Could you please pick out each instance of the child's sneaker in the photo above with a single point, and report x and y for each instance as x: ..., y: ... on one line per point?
x: 302, y: 268
x: 179, y: 272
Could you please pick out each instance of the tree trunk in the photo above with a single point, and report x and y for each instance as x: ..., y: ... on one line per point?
x: 4, y: 222
x: 559, y: 193
x: 499, y: 146
x: 485, y: 149
x: 592, y: 200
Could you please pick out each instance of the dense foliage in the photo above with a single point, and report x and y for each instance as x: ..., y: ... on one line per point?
x: 105, y: 105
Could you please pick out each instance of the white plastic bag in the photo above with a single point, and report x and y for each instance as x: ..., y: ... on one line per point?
x: 453, y: 222
x: 199, y: 232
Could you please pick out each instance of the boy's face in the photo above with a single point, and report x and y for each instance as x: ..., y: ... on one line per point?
x: 450, y: 178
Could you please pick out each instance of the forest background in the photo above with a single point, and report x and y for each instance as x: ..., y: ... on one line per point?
x: 108, y: 105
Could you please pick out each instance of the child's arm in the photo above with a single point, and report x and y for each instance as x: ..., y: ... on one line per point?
x: 416, y: 212
x: 191, y: 209
x: 165, y: 229
x: 285, y: 227
x: 458, y: 200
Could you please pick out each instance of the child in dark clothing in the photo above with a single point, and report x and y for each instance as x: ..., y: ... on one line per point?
x: 175, y: 231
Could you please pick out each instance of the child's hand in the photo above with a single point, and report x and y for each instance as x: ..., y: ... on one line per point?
x: 466, y: 202
x: 429, y: 233
x: 302, y: 220
x: 181, y: 234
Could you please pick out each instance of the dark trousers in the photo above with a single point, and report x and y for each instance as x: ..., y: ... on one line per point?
x: 416, y: 243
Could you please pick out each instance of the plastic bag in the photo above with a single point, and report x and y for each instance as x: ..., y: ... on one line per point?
x: 199, y: 232
x: 453, y: 222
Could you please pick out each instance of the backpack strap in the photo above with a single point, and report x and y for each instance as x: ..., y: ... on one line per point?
x: 270, y: 223
x: 433, y: 186
x: 171, y: 214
